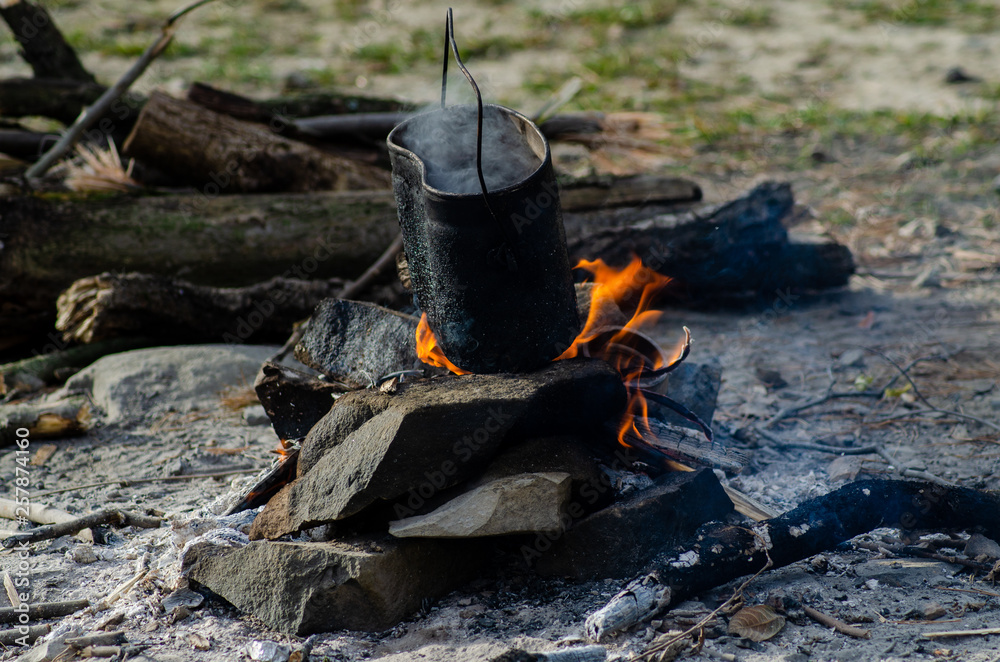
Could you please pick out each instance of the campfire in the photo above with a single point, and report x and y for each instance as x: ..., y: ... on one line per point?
x: 519, y: 415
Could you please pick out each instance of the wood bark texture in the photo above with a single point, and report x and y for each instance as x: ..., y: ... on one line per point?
x: 225, y: 155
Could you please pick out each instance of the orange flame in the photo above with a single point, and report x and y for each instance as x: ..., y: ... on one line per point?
x: 616, y: 292
x: 428, y: 350
x: 629, y: 291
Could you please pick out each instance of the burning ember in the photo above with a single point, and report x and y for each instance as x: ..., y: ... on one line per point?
x: 615, y: 293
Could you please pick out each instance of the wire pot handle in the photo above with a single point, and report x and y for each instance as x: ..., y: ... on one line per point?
x: 505, y: 252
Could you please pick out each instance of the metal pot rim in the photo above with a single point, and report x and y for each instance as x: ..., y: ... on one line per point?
x: 447, y: 195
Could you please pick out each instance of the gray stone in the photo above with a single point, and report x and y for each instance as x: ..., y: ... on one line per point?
x: 351, y: 411
x: 622, y: 539
x: 365, y: 584
x: 145, y: 384
x: 436, y: 433
x: 525, y: 503
x: 979, y: 545
x: 357, y: 342
x: 292, y: 399
x: 696, y: 386
x: 562, y: 453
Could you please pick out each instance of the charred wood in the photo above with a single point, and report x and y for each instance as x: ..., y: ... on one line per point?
x: 225, y: 155
x: 719, y: 553
x: 735, y: 248
x: 45, y: 420
x: 43, y: 610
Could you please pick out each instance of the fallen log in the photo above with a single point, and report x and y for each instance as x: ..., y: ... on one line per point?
x: 42, y: 45
x: 224, y: 155
x: 112, y: 305
x: 211, y: 239
x: 719, y: 553
x: 239, y: 240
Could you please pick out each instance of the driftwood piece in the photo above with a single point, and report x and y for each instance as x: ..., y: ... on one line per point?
x: 15, y: 637
x: 111, y: 305
x: 58, y: 98
x: 225, y: 155
x: 112, y: 517
x: 719, y: 553
x: 42, y: 45
x: 44, y: 610
x: 53, y: 420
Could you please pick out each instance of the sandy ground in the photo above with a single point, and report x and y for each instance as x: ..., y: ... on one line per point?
x: 920, y: 215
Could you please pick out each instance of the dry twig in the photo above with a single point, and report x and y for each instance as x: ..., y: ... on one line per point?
x: 113, y: 93
x: 836, y: 624
x: 112, y: 517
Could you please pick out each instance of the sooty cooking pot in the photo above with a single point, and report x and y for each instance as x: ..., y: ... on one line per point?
x: 483, y: 235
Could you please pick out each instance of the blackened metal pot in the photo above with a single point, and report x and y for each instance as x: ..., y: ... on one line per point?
x: 490, y: 270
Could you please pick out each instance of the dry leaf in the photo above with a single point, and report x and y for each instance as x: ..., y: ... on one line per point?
x: 43, y: 454
x: 756, y: 623
x: 199, y: 642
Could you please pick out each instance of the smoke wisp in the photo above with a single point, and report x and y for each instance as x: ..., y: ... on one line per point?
x: 445, y: 140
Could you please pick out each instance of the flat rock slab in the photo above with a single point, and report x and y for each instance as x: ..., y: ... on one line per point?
x: 622, y: 539
x: 366, y: 584
x: 145, y: 384
x: 525, y: 503
x: 293, y: 400
x: 357, y: 342
x: 435, y: 433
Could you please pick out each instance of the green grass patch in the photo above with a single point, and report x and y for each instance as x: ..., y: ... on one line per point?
x: 631, y: 15
x: 968, y: 14
x: 753, y: 16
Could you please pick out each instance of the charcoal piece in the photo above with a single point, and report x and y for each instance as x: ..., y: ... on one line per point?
x: 625, y: 537
x: 294, y: 401
x: 357, y: 342
x: 364, y: 584
x: 439, y: 432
